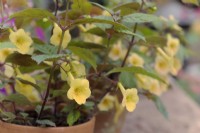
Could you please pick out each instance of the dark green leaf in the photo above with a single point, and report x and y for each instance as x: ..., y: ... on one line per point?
x: 46, y: 49
x: 46, y: 123
x: 127, y: 79
x: 136, y: 70
x: 154, y: 41
x: 84, y: 54
x: 58, y: 93
x: 4, y: 45
x: 44, y: 57
x: 160, y: 106
x: 18, y: 99
x: 73, y: 117
x: 20, y: 59
x: 86, y: 45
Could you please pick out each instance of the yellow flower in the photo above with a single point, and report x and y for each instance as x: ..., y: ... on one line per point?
x: 162, y: 66
x: 4, y: 53
x: 130, y: 98
x: 21, y: 40
x: 176, y: 66
x: 79, y: 90
x: 173, y: 45
x: 142, y: 81
x: 135, y: 60
x: 106, y: 13
x: 27, y: 90
x: 57, y: 34
x: 143, y: 49
x: 9, y: 71
x: 106, y: 103
x: 116, y: 51
x: 154, y: 87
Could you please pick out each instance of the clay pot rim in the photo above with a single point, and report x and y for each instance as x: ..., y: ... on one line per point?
x: 11, y: 125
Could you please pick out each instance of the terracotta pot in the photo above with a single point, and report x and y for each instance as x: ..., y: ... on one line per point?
x: 105, y: 122
x: 87, y: 127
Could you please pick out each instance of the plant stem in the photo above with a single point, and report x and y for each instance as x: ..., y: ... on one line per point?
x: 132, y: 43
x: 56, y: 8
x: 50, y: 78
x: 2, y: 12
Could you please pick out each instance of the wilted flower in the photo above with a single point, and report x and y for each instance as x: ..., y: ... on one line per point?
x: 79, y: 90
x: 57, y: 34
x: 135, y: 60
x: 106, y: 103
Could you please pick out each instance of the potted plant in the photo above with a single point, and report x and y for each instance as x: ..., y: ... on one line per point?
x: 90, y: 58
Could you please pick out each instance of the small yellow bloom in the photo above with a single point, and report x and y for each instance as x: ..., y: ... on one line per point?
x: 162, y: 66
x: 79, y: 90
x: 27, y: 90
x: 57, y: 34
x: 106, y: 103
x: 135, y: 60
x: 143, y: 49
x: 176, y: 66
x: 130, y: 98
x: 154, y: 87
x: 9, y: 71
x: 116, y: 51
x: 21, y: 40
x: 173, y: 45
x: 4, y: 53
x: 106, y: 13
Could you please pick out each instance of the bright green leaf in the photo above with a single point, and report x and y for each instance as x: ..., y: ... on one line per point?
x: 46, y: 49
x: 4, y: 45
x: 73, y: 117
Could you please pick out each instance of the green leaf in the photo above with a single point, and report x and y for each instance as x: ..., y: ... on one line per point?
x: 139, y: 18
x: 97, y: 31
x: 84, y: 54
x: 8, y: 116
x: 4, y: 45
x: 29, y: 83
x: 195, y: 2
x: 33, y: 13
x: 46, y: 49
x: 21, y: 60
x: 58, y: 93
x: 73, y: 117
x: 136, y: 70
x: 1, y: 86
x: 127, y: 79
x: 160, y: 106
x: 86, y: 45
x: 103, y: 7
x: 46, y: 123
x: 127, y: 8
x: 154, y: 41
x: 117, y: 26
x: 18, y: 99
x: 41, y: 58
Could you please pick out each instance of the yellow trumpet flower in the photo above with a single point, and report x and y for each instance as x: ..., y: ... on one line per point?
x: 135, y: 60
x: 106, y: 103
x: 173, y: 45
x: 116, y: 52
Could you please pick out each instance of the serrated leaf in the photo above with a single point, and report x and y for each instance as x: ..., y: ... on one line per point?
x: 18, y: 99
x: 136, y: 70
x: 20, y: 59
x: 160, y: 106
x: 195, y: 2
x: 46, y: 49
x: 46, y: 123
x: 139, y: 18
x: 86, y: 45
x: 73, y: 117
x: 117, y: 26
x: 33, y: 13
x: 4, y: 45
x: 84, y: 54
x: 44, y: 57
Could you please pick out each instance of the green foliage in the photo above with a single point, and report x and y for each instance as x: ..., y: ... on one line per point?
x: 4, y: 45
x: 8, y: 116
x: 46, y: 48
x: 136, y: 70
x: 153, y: 41
x: 46, y: 123
x: 86, y: 45
x: 72, y: 117
x: 195, y: 2
x: 84, y: 54
x: 127, y: 79
x: 18, y: 99
x: 103, y: 7
x: 160, y: 106
x: 46, y: 57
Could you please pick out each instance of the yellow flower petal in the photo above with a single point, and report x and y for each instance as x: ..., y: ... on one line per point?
x: 106, y: 103
x: 135, y: 60
x: 21, y: 40
x: 4, y: 53
x: 116, y: 52
x: 173, y: 45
